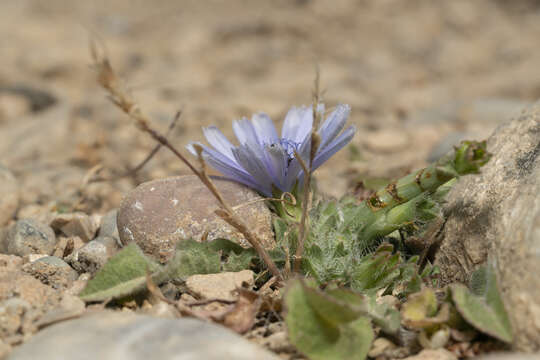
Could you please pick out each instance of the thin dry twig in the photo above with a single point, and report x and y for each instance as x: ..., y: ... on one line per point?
x: 156, y: 292
x: 108, y: 80
x: 136, y: 169
x: 315, y: 142
x: 209, y: 301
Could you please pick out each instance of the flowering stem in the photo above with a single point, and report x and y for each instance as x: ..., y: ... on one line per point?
x: 108, y: 80
x: 315, y: 142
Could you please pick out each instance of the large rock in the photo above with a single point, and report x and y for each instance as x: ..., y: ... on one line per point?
x: 121, y: 336
x: 496, y: 214
x: 159, y: 213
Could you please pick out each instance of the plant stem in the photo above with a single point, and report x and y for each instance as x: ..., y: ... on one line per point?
x: 108, y: 80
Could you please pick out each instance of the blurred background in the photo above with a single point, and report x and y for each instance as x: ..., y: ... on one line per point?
x: 420, y: 76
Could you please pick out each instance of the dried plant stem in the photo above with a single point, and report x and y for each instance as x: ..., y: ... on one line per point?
x: 239, y: 225
x: 136, y: 169
x: 315, y: 142
x: 108, y: 80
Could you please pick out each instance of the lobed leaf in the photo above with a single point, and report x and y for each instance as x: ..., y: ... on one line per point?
x: 332, y: 332
x: 483, y: 308
x: 124, y: 274
x: 192, y: 257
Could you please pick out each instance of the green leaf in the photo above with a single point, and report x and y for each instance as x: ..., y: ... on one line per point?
x: 470, y: 156
x: 421, y: 310
x: 483, y: 308
x: 124, y: 274
x: 238, y: 262
x: 226, y: 246
x: 376, y: 271
x: 329, y: 333
x: 382, y: 314
x: 192, y: 258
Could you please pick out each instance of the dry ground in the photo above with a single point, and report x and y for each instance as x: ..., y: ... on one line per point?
x: 221, y: 60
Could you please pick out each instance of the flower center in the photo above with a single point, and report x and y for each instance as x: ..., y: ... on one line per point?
x: 289, y: 146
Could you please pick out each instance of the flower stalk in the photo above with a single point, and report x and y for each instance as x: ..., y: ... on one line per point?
x: 108, y: 80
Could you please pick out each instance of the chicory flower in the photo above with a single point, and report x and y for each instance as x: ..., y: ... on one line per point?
x: 265, y: 161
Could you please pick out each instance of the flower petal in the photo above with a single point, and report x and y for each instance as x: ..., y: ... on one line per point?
x: 216, y: 138
x: 333, y: 124
x: 264, y: 128
x: 336, y: 145
x: 298, y: 123
x: 255, y: 166
x: 228, y: 167
x: 295, y: 170
x: 277, y: 161
x: 244, y: 131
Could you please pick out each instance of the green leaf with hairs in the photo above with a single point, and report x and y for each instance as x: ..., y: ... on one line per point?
x: 234, y: 257
x: 192, y: 258
x: 124, y: 274
x: 377, y: 271
x: 483, y: 307
x: 383, y: 315
x: 238, y: 262
x: 324, y: 328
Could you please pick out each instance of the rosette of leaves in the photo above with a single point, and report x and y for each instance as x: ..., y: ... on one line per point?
x: 344, y: 236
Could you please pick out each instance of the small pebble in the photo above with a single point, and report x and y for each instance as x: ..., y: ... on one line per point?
x: 67, y: 245
x: 75, y: 224
x: 219, y: 286
x: 28, y: 236
x: 108, y: 225
x: 92, y: 256
x: 52, y: 271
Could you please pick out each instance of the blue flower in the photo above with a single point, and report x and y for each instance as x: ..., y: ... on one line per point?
x: 263, y: 160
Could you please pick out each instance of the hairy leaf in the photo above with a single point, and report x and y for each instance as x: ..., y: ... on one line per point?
x: 192, y: 258
x: 323, y: 329
x: 421, y: 311
x: 122, y: 275
x: 382, y: 314
x: 376, y: 271
x: 483, y: 308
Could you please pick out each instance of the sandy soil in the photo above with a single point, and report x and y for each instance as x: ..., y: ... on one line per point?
x: 403, y: 66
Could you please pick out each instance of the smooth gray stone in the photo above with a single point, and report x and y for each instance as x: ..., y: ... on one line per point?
x: 121, y: 336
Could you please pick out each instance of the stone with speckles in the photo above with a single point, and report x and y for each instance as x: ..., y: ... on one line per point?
x: 158, y: 214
